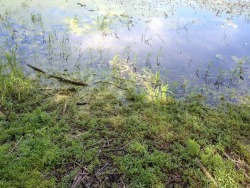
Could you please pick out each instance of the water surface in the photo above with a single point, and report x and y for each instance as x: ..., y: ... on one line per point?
x: 198, y: 43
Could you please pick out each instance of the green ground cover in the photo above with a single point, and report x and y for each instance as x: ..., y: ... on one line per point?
x: 94, y: 137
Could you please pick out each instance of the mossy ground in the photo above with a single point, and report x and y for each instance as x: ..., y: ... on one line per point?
x: 53, y: 138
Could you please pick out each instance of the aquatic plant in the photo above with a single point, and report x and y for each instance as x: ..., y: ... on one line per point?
x: 237, y: 72
x: 145, y: 80
x: 13, y: 84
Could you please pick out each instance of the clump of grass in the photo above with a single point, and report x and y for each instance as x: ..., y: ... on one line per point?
x: 149, y: 84
x: 14, y: 86
x: 13, y: 83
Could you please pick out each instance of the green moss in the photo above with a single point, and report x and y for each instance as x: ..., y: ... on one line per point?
x: 128, y: 141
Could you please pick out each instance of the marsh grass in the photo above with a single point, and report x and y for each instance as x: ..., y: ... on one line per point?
x: 116, y: 141
x: 13, y: 84
x: 150, y: 84
x: 130, y: 132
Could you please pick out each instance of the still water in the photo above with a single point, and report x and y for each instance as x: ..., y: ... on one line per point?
x: 203, y: 44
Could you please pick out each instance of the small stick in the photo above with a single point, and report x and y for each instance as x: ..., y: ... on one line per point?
x: 238, y: 163
x: 77, y: 180
x: 78, y: 83
x: 204, y: 170
x: 84, y: 168
x: 81, y: 103
x: 81, y: 4
x: 16, y: 144
x: 36, y: 69
x: 99, y: 171
x: 235, y: 161
x: 46, y: 88
x: 65, y: 107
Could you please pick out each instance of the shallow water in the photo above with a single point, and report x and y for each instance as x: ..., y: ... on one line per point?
x: 196, y: 42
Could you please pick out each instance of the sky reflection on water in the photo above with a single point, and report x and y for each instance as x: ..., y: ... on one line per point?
x: 177, y: 37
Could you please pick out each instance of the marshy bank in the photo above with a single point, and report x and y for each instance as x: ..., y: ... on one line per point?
x: 112, y: 135
x: 124, y: 93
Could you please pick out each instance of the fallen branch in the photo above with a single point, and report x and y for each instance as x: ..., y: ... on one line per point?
x: 36, y: 69
x: 62, y: 79
x: 205, y: 172
x: 78, y: 83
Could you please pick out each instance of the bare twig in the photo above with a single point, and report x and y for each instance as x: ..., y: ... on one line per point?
x: 205, y: 172
x: 78, y: 180
x: 82, y: 5
x: 36, y: 69
x: 65, y: 107
x: 100, y: 171
x: 46, y: 88
x: 81, y: 103
x: 78, y: 83
x: 239, y: 164
x: 13, y: 149
x: 62, y: 79
x: 236, y: 161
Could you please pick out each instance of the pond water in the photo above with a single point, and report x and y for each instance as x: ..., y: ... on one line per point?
x: 198, y: 43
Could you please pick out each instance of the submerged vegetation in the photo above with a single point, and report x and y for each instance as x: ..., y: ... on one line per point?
x: 109, y: 136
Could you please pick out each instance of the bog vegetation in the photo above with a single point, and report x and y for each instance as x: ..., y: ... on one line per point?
x: 83, y: 101
x: 113, y: 134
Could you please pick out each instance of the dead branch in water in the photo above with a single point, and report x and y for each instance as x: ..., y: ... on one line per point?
x: 62, y: 79
x: 78, y: 83
x: 36, y: 69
